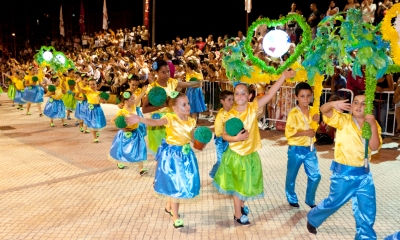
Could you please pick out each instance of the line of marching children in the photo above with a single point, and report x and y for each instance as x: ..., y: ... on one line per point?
x: 237, y: 171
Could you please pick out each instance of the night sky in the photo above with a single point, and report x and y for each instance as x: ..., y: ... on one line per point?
x: 175, y: 17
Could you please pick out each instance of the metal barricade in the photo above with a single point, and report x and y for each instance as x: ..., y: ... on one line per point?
x: 383, y: 112
x: 211, y: 91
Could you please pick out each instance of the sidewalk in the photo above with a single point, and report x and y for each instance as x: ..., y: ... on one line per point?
x: 57, y: 184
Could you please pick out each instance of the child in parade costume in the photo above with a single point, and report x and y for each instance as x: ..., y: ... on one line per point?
x: 351, y: 177
x: 195, y: 95
x: 156, y: 134
x: 240, y: 171
x: 301, y: 147
x: 17, y: 79
x: 226, y: 98
x: 11, y: 89
x: 128, y: 146
x: 177, y: 175
x: 81, y: 104
x: 34, y: 90
x: 134, y: 81
x: 55, y: 107
x: 94, y: 119
x: 69, y: 98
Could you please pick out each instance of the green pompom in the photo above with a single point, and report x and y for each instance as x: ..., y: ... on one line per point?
x: 194, y: 79
x: 71, y: 82
x: 52, y: 88
x: 203, y: 135
x: 120, y: 122
x: 233, y: 126
x: 104, y: 96
x: 35, y: 79
x: 157, y: 96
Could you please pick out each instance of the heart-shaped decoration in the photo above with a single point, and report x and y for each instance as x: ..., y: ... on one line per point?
x: 273, y: 23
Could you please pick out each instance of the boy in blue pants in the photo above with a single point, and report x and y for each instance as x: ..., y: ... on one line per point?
x: 226, y: 98
x: 351, y: 177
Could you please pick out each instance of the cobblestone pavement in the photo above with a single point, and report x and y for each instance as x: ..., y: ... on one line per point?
x: 57, y: 184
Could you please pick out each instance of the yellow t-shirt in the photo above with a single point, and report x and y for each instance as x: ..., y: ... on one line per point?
x: 250, y: 122
x: 124, y: 112
x: 194, y: 74
x: 57, y: 94
x: 295, y: 123
x: 172, y: 84
x: 219, y: 122
x: 349, y: 148
x: 19, y: 84
x: 178, y: 132
x: 92, y: 96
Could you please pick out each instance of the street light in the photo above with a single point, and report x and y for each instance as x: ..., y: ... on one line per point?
x: 15, y: 47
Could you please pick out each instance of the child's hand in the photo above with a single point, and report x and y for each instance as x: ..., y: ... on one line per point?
x: 243, y: 135
x: 132, y: 119
x: 341, y: 105
x: 309, y: 133
x: 316, y: 118
x: 288, y: 73
x: 369, y: 118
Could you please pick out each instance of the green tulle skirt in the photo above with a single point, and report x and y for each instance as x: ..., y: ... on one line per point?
x: 155, y: 135
x: 11, y: 92
x: 240, y: 176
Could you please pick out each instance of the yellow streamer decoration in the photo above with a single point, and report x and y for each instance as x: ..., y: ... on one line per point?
x: 390, y: 34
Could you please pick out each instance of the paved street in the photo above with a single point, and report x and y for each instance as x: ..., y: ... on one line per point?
x: 57, y: 184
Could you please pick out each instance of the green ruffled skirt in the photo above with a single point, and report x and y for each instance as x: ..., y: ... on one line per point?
x: 240, y: 176
x: 155, y: 135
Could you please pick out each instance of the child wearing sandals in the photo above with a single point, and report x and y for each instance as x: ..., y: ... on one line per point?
x: 81, y: 104
x: 94, y: 119
x: 69, y: 98
x: 54, y: 107
x: 240, y: 171
x: 128, y: 146
x: 177, y: 175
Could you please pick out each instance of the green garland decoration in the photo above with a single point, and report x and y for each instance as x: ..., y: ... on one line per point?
x: 233, y: 126
x: 299, y: 50
x: 120, y: 122
x: 157, y: 96
x: 203, y: 134
x: 59, y: 62
x: 370, y: 87
x: 394, y: 68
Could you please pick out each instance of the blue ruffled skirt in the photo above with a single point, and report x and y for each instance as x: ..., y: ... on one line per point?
x: 142, y: 127
x: 69, y: 100
x: 95, y: 118
x: 196, y: 100
x: 81, y: 109
x: 18, y: 97
x: 54, y: 109
x: 130, y: 149
x: 177, y: 174
x: 33, y: 94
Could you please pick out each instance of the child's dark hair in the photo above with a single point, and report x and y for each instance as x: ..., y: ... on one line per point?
x: 123, y: 96
x: 133, y: 78
x: 192, y: 64
x: 302, y: 86
x: 244, y: 84
x: 54, y: 79
x: 160, y: 63
x: 224, y: 94
x: 172, y: 101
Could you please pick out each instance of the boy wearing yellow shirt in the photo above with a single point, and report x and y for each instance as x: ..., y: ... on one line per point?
x: 226, y: 98
x: 351, y: 176
x: 301, y: 147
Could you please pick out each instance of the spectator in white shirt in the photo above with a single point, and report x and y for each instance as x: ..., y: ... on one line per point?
x: 368, y: 9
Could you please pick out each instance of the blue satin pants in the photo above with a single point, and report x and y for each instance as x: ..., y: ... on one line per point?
x: 298, y: 155
x: 220, y: 145
x: 349, y: 182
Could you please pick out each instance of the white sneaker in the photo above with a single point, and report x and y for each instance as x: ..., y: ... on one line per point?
x: 260, y: 125
x: 212, y: 119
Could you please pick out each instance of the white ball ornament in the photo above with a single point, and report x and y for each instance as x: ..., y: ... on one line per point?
x: 276, y: 43
x: 47, y: 56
